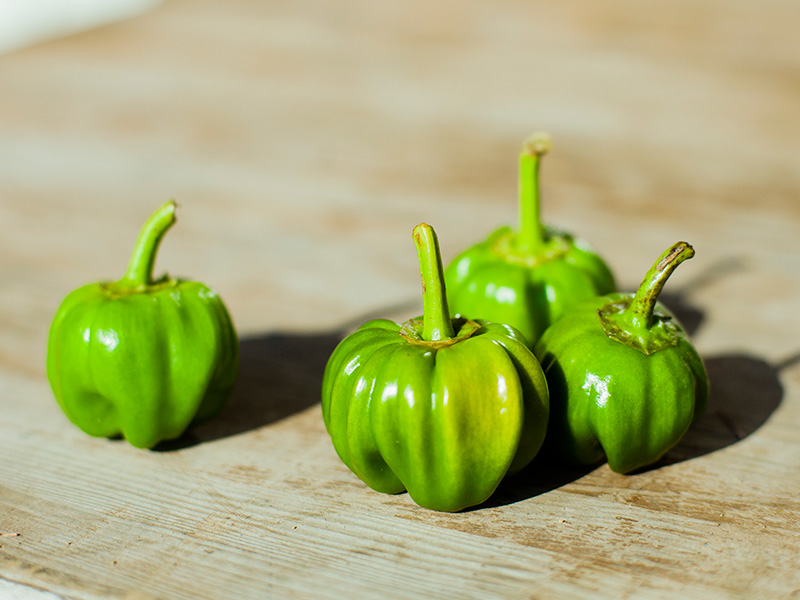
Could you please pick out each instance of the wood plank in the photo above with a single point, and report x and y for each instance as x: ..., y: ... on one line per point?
x: 303, y: 142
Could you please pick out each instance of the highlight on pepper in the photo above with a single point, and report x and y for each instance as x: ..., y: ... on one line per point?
x: 142, y: 358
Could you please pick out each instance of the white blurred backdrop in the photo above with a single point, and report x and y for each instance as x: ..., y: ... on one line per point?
x: 24, y: 22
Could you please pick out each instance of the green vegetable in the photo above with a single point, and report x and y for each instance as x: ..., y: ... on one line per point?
x: 625, y: 381
x: 142, y: 358
x: 441, y: 407
x: 531, y: 277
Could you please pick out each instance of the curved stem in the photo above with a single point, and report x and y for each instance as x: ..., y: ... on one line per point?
x: 140, y: 267
x: 531, y: 235
x: 640, y: 311
x: 436, y: 314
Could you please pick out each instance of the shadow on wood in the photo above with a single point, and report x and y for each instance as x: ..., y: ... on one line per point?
x: 689, y: 316
x: 679, y: 302
x: 279, y: 375
x: 745, y: 391
x: 545, y: 474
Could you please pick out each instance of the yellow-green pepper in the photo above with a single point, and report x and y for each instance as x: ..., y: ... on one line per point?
x: 625, y: 381
x: 142, y: 358
x: 442, y: 407
x: 531, y: 277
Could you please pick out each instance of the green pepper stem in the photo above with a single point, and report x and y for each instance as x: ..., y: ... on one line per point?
x: 140, y: 268
x: 531, y: 234
x: 640, y: 311
x: 436, y: 314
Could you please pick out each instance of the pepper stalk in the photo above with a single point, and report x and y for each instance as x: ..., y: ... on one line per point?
x: 640, y: 312
x: 531, y: 238
x: 636, y: 322
x: 437, y: 325
x: 140, y: 267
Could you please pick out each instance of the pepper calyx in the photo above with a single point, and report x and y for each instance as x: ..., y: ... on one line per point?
x: 554, y: 246
x: 662, y: 334
x: 412, y: 331
x: 116, y: 289
x: 637, y: 321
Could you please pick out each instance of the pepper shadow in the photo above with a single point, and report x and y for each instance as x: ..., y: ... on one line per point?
x: 745, y: 391
x: 544, y: 474
x: 280, y: 374
x: 679, y: 301
x: 688, y: 315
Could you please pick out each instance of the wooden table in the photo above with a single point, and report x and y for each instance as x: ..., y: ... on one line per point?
x: 303, y: 141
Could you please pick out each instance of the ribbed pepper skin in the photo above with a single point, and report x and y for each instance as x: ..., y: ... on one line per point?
x: 625, y: 381
x: 529, y: 293
x: 612, y: 400
x: 139, y: 357
x: 446, y: 423
x: 142, y: 364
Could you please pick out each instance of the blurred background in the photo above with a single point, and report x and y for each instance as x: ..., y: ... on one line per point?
x: 304, y: 139
x: 26, y: 22
x: 340, y: 126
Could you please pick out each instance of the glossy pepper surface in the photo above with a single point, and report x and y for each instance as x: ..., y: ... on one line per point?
x: 530, y: 277
x: 625, y: 381
x: 142, y: 358
x: 441, y: 407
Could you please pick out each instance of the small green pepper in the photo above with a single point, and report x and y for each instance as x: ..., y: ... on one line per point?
x: 531, y: 277
x: 141, y: 358
x: 625, y: 381
x: 442, y: 407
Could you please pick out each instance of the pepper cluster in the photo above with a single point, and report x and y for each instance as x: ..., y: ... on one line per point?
x: 445, y: 407
x: 522, y: 341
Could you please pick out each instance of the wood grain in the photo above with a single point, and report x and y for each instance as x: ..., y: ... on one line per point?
x: 303, y: 141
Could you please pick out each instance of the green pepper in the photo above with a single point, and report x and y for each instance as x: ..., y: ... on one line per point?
x: 625, y: 381
x: 441, y: 407
x: 531, y: 277
x: 142, y: 358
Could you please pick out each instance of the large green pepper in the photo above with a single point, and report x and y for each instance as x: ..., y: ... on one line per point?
x: 441, y: 407
x: 142, y: 358
x: 531, y: 277
x: 625, y: 382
